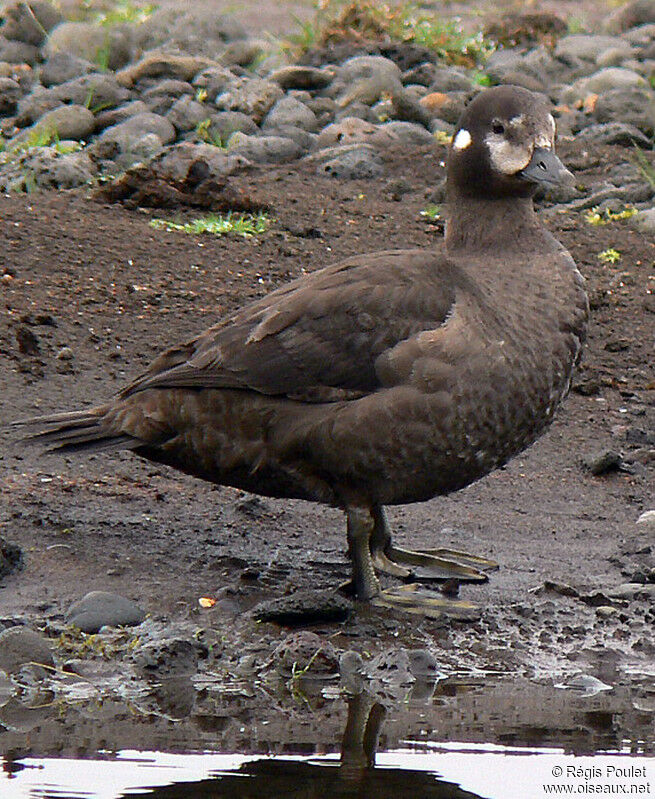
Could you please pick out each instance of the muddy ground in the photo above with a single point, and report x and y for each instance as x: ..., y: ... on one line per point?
x: 98, y: 280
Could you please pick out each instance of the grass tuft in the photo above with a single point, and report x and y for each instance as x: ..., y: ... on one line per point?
x: 610, y: 256
x: 246, y: 225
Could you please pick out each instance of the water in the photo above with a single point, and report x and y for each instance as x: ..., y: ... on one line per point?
x: 454, y: 739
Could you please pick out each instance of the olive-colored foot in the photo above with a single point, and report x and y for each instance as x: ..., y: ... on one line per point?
x: 439, y: 564
x: 413, y: 599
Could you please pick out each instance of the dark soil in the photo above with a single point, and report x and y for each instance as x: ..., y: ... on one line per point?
x: 91, y: 293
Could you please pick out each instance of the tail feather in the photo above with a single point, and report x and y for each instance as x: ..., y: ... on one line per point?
x: 78, y: 431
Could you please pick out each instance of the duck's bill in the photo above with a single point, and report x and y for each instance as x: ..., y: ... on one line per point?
x: 546, y: 168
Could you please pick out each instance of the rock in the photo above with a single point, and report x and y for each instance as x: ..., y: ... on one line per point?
x: 264, y: 149
x: 304, y: 607
x: 305, y: 654
x: 254, y: 97
x: 447, y: 79
x: 198, y: 31
x: 585, y: 46
x: 615, y: 56
x: 95, y: 90
x: 605, y: 80
x: 632, y: 591
x: 225, y: 123
x: 20, y: 646
x: 63, y: 67
x: 164, y: 65
x: 351, y: 130
x: 586, y: 683
x: 66, y: 122
x: 29, y: 22
x: 10, y: 94
x: 99, y: 609
x: 110, y: 48
x: 11, y: 557
x: 302, y: 77
x: 354, y: 163
x: 615, y: 133
x: 113, y: 116
x: 27, y: 340
x: 243, y: 53
x: 644, y: 221
x: 537, y: 67
x: 290, y: 112
x: 407, y: 133
x: 137, y: 126
x: 603, y: 462
x: 186, y: 113
x: 630, y: 15
x: 214, y: 81
x: 366, y: 77
x: 647, y: 520
x: 160, y: 97
x: 351, y: 662
x: 18, y: 52
x: 168, y: 657
x: 632, y: 106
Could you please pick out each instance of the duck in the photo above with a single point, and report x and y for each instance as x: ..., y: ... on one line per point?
x: 389, y: 378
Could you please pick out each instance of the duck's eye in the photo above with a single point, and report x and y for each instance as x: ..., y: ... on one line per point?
x: 497, y: 126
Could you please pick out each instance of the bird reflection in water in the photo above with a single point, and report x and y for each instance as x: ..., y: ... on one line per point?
x: 355, y: 776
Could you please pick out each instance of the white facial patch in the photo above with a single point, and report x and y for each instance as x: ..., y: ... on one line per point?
x: 506, y: 157
x: 462, y: 140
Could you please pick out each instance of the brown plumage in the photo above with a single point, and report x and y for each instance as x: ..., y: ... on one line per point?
x: 388, y: 378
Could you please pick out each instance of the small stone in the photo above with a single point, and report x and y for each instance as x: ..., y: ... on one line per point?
x: 163, y: 65
x: 73, y: 122
x: 62, y: 67
x: 20, y: 646
x: 11, y: 557
x: 168, y: 657
x: 28, y: 341
x: 304, y: 607
x: 29, y: 22
x: 99, y: 609
x: 254, y: 97
x: 65, y: 354
x: 647, y: 520
x: 302, y: 77
x: 264, y: 149
x: 603, y: 462
x: 354, y: 164
x: 111, y: 47
x: 305, y: 654
x: 606, y: 611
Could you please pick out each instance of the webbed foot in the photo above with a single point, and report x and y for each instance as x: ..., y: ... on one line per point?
x: 414, y: 599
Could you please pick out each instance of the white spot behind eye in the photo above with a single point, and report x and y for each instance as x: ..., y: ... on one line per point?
x: 462, y: 140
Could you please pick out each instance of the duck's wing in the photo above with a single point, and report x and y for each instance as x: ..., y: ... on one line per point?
x: 324, y: 331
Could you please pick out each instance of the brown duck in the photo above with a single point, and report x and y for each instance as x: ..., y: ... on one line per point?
x: 388, y: 378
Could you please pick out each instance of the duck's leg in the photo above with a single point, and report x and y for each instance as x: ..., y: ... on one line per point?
x: 409, y: 598
x: 435, y: 564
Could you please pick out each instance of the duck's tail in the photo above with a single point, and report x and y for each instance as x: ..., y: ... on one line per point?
x: 78, y: 431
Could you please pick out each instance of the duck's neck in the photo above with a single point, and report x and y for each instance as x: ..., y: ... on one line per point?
x: 487, y: 224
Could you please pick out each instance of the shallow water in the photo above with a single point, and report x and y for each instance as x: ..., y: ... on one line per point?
x: 491, y: 739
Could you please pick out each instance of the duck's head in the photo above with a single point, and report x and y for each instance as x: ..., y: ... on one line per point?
x: 504, y: 145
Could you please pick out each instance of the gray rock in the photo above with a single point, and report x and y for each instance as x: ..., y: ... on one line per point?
x: 615, y: 56
x: 407, y: 133
x: 176, y: 160
x: 301, y: 77
x: 11, y: 557
x: 629, y: 106
x: 29, y: 22
x: 647, y: 518
x: 225, y: 123
x: 66, y: 122
x: 199, y: 31
x: 99, y: 609
x: 161, y: 97
x: 352, y: 130
x: 18, y: 52
x: 20, y: 646
x: 290, y: 112
x: 351, y: 662
x: 63, y: 67
x: 105, y: 119
x: 186, y: 113
x: 161, y: 65
x: 168, y: 657
x: 644, y: 221
x: 138, y: 126
x: 632, y: 591
x: 243, y: 52
x: 109, y: 47
x: 302, y: 138
x: 630, y: 15
x: 353, y: 164
x: 214, y: 80
x: 605, y: 80
x: 368, y: 75
x: 47, y: 168
x: 449, y: 79
x: 538, y: 66
x: 304, y: 607
x: 254, y: 97
x: 264, y: 149
x: 95, y: 90
x: 614, y: 133
x: 10, y: 94
x: 603, y: 462
x: 585, y: 46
